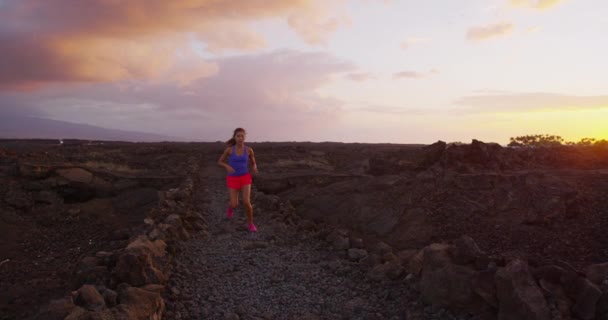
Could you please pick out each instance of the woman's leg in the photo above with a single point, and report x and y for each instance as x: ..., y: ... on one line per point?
x: 234, y: 198
x: 247, y: 202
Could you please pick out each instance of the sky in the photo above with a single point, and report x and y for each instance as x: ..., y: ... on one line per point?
x: 376, y: 71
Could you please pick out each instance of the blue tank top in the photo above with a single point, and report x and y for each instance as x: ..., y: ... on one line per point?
x: 238, y: 163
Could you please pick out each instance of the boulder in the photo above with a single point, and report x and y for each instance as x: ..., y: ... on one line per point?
x: 390, y: 270
x: 370, y: 261
x: 174, y: 220
x: 174, y: 194
x: 268, y: 202
x: 137, y: 269
x: 88, y: 297
x: 597, y: 273
x: 414, y: 265
x: 550, y: 273
x: 357, y: 254
x: 79, y: 313
x: 556, y: 294
x: 449, y: 285
x: 95, y: 276
x: 124, y: 184
x: 405, y: 256
x: 110, y: 297
x: 357, y: 243
x: 34, y: 171
x: 390, y: 257
x: 465, y: 250
x: 378, y: 272
x: 436, y: 255
x: 47, y: 197
x: 415, y: 228
x: 154, y: 288
x: 602, y: 304
x: 484, y: 285
x: 138, y: 303
x: 518, y: 295
x: 335, y: 234
x: 433, y: 154
x: 381, y: 221
x: 76, y: 175
x: 306, y: 225
x: 156, y: 248
x: 394, y: 270
x: 341, y: 243
x: 57, y: 309
x: 583, y: 292
x: 18, y: 198
x: 382, y: 248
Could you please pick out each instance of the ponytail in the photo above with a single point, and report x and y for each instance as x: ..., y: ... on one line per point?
x: 232, y: 140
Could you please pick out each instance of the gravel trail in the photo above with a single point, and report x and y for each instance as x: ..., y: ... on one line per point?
x: 280, y: 272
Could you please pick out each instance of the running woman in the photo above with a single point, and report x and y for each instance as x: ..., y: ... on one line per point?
x: 238, y: 177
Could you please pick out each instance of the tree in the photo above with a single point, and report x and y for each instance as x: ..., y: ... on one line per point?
x: 536, y: 140
x: 601, y: 143
x: 586, y: 142
x: 547, y: 140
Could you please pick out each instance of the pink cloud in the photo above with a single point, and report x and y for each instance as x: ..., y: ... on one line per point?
x: 410, y: 42
x: 225, y: 36
x: 104, y: 40
x: 260, y: 91
x: 535, y: 4
x: 489, y: 32
x: 315, y: 28
x: 360, y: 76
x: 415, y: 74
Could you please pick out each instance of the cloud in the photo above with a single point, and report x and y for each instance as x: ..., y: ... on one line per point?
x: 259, y: 91
x: 228, y: 36
x: 518, y: 102
x: 393, y: 110
x: 409, y: 74
x: 144, y: 17
x: 489, y: 32
x: 532, y: 30
x: 409, y: 42
x: 315, y: 26
x: 415, y: 74
x: 535, y: 4
x: 28, y: 64
x: 360, y: 76
x: 44, y: 42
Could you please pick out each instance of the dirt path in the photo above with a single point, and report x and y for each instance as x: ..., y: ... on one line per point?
x: 276, y: 273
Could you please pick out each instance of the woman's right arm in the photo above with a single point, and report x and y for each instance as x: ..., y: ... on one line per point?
x: 222, y: 160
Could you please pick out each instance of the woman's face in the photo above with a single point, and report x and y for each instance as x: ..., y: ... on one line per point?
x: 239, y: 137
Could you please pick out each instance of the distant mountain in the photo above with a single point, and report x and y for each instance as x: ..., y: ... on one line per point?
x: 20, y: 127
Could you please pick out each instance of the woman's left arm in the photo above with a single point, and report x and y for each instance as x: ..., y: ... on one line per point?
x: 252, y: 159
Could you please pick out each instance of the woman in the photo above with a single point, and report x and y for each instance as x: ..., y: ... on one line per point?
x: 238, y: 178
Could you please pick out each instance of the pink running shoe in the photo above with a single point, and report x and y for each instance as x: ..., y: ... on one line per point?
x: 229, y: 213
x: 252, y: 228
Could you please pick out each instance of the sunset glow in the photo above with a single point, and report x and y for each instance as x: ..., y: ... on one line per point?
x: 399, y: 71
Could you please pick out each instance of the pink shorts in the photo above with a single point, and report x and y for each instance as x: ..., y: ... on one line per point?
x: 237, y: 182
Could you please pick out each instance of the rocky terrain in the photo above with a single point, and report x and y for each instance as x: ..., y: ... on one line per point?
x: 287, y: 270
x: 62, y: 203
x: 408, y: 196
x: 353, y: 231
